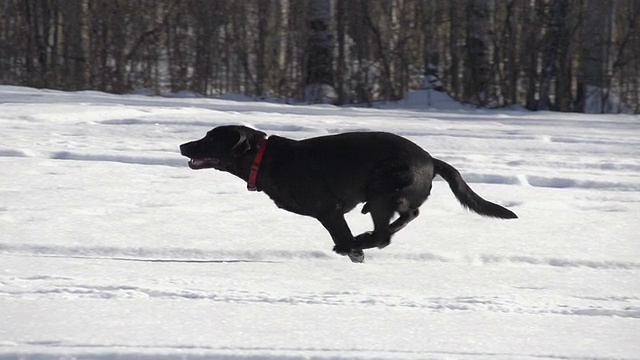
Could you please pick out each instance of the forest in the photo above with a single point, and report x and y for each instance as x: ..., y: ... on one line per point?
x: 560, y: 55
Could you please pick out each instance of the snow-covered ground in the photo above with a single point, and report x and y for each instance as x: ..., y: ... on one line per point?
x: 110, y: 247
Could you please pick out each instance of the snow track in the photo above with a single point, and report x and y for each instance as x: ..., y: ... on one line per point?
x: 110, y: 247
x: 60, y: 287
x: 186, y: 255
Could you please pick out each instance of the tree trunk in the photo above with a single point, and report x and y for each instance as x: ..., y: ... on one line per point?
x: 511, y: 48
x: 551, y: 50
x: 261, y: 56
x: 564, y: 97
x: 206, y: 23
x: 283, y: 48
x: 341, y: 68
x: 479, y: 86
x: 593, y: 84
x: 73, y: 70
x: 117, y: 28
x: 387, y: 90
x: 319, y: 85
x: 454, y: 48
x: 530, y: 52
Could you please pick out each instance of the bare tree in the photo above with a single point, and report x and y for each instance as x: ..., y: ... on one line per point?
x: 594, y: 80
x: 510, y: 75
x: 626, y: 61
x: 454, y: 47
x: 319, y: 85
x: 206, y: 23
x: 282, y: 25
x: 552, y: 47
x: 478, y: 82
x: 545, y: 54
x: 564, y: 11
x: 73, y: 70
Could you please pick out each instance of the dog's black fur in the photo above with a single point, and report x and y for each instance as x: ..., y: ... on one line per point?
x: 326, y: 177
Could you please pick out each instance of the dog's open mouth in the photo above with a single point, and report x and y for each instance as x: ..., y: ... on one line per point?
x: 197, y: 164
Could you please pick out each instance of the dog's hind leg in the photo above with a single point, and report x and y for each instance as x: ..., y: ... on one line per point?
x: 381, y: 212
x: 342, y: 237
x: 403, y: 220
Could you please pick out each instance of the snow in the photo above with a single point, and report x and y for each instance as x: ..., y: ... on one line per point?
x: 110, y: 247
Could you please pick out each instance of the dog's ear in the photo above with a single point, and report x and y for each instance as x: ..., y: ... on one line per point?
x: 248, y: 140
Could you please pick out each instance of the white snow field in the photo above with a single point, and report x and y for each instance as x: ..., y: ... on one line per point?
x: 112, y: 248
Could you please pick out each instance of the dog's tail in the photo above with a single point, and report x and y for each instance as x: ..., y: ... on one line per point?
x: 467, y: 197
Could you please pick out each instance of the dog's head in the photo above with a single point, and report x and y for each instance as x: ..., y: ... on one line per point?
x: 222, y: 148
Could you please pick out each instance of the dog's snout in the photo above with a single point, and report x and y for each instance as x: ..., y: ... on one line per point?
x: 185, y: 148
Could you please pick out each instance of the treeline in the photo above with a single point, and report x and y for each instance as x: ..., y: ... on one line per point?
x: 565, y: 55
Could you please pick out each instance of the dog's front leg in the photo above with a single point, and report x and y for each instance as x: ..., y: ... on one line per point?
x: 342, y: 236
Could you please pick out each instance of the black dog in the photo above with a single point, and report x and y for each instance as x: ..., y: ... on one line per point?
x: 326, y: 177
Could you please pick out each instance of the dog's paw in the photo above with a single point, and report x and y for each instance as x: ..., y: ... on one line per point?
x: 356, y: 256
x: 342, y: 250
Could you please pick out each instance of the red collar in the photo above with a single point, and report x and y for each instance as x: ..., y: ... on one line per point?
x: 253, y: 175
